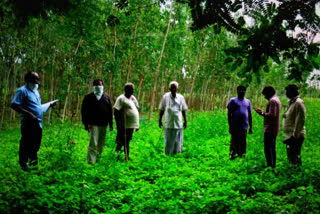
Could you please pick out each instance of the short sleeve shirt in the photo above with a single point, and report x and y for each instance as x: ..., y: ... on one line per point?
x: 31, y: 101
x: 173, y: 107
x: 130, y: 105
x: 239, y: 112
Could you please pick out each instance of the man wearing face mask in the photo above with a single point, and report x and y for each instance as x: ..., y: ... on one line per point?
x: 96, y: 114
x: 174, y: 107
x: 27, y: 102
x: 239, y: 117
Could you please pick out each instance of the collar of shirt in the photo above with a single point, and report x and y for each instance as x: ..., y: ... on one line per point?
x: 293, y: 100
x: 175, y: 98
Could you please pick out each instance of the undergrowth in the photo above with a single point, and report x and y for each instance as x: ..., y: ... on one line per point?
x: 202, y: 179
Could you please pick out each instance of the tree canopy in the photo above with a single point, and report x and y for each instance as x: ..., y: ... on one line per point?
x: 269, y: 36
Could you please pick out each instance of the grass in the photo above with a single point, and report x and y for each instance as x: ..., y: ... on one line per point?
x: 202, y: 179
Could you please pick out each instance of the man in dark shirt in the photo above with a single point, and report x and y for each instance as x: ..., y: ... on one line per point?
x: 96, y: 114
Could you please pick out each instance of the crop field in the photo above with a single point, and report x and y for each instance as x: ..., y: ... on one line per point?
x: 202, y: 179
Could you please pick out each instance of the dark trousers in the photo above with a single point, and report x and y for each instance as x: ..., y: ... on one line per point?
x: 238, y: 143
x: 270, y: 149
x: 30, y: 141
x: 120, y: 140
x: 294, y: 151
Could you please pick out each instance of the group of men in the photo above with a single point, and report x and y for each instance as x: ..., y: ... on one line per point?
x: 240, y: 118
x: 97, y: 114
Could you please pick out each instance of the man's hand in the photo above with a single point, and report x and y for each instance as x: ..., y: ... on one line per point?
x: 53, y: 104
x: 137, y: 129
x: 185, y: 124
x: 259, y: 111
x: 89, y: 128
x: 111, y: 128
x: 250, y: 130
x: 160, y: 124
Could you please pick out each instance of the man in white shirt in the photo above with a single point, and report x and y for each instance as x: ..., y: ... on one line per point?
x: 173, y: 106
x: 293, y: 124
x: 127, y: 118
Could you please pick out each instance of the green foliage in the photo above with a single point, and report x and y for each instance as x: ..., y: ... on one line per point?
x: 268, y: 38
x: 202, y: 179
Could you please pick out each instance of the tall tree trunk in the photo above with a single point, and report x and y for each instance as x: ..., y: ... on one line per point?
x: 43, y: 76
x: 203, y: 95
x: 70, y: 80
x: 199, y: 59
x: 66, y: 100
x: 163, y: 78
x: 132, y: 48
x: 159, y: 64
x: 212, y: 99
x: 212, y: 91
x: 51, y: 96
x: 13, y: 88
x: 140, y: 87
x: 110, y: 85
x: 4, y: 98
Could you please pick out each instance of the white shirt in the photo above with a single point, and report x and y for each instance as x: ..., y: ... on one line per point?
x: 130, y: 105
x: 173, y: 107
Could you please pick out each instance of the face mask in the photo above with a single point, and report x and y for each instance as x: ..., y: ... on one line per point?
x: 98, y: 91
x: 33, y: 86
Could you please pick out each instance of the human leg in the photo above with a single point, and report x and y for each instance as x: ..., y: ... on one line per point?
x: 129, y: 133
x: 234, y: 145
x: 242, y: 145
x: 93, y: 144
x: 270, y: 149
x: 170, y: 141
x: 102, y: 131
x: 23, y: 149
x: 179, y: 141
x: 30, y: 141
x: 33, y: 153
x: 298, y: 151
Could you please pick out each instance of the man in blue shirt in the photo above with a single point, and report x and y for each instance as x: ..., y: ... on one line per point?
x: 239, y: 117
x: 27, y: 102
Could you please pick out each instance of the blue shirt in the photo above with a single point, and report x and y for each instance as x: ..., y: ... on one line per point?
x: 31, y: 101
x: 240, y: 112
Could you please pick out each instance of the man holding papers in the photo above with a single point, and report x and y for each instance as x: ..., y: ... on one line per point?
x: 27, y: 102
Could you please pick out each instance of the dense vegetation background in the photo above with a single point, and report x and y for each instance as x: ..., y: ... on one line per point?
x: 209, y: 47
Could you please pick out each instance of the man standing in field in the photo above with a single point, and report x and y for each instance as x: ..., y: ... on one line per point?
x: 271, y: 124
x: 127, y: 118
x: 27, y: 102
x: 239, y: 117
x: 173, y: 106
x: 293, y: 125
x: 96, y: 114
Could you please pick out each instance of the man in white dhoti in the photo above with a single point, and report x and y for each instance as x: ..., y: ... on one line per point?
x: 173, y: 106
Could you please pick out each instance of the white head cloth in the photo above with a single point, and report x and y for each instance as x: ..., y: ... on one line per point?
x: 173, y: 83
